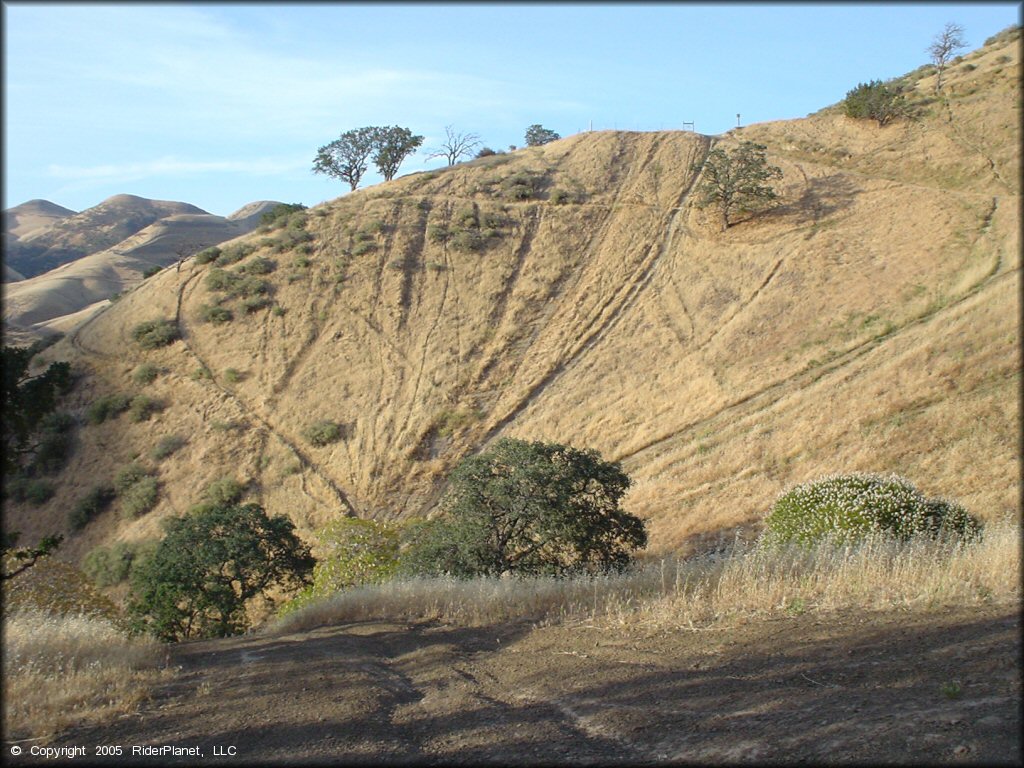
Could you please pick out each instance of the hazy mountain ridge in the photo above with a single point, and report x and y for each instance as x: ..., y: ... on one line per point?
x: 54, y: 300
x: 575, y: 292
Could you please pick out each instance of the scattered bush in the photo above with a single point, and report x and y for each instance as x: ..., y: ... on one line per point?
x: 233, y: 254
x: 523, y: 185
x: 90, y: 506
x: 141, y: 497
x: 145, y: 374
x: 150, y: 271
x: 323, y: 433
x: 225, y: 491
x: 437, y: 233
x: 129, y: 475
x: 143, y: 407
x: 167, y: 446
x: 253, y: 304
x: 55, y: 443
x: 258, y: 266
x: 212, y: 313
x: 108, y: 407
x: 155, y: 333
x: 853, y: 505
x: 207, y: 255
x: 278, y: 216
x: 232, y: 376
x: 31, y: 490
x: 110, y: 566
x: 219, y: 279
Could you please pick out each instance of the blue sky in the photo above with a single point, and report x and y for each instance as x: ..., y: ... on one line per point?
x: 221, y: 105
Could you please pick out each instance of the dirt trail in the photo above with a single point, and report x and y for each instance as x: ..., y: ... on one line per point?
x: 846, y: 687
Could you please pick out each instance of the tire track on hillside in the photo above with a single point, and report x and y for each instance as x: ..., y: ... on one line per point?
x: 251, y: 412
x: 764, y: 398
x: 742, y: 306
x: 414, y: 400
x: 609, y: 313
x: 972, y: 146
x: 500, y: 308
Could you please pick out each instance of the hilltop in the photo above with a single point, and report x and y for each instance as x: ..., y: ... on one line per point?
x: 575, y: 292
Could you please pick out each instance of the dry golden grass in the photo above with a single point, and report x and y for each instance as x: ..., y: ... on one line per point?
x: 876, y: 574
x: 63, y: 670
x: 867, y: 324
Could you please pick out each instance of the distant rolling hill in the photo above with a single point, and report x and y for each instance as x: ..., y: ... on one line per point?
x: 54, y: 299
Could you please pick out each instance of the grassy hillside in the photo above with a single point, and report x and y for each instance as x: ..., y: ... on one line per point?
x: 575, y: 292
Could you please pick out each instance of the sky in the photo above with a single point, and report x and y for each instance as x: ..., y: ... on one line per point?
x: 220, y: 105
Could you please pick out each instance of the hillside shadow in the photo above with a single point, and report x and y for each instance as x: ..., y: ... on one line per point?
x: 821, y: 198
x: 849, y: 692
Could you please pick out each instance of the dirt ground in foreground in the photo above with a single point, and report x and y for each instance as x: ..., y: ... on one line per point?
x: 894, y: 687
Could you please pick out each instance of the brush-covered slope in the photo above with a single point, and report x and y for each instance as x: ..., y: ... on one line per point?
x: 574, y: 292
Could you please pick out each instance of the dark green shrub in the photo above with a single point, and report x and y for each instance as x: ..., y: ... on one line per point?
x: 31, y: 490
x: 211, y: 313
x: 52, y: 451
x: 155, y: 333
x: 150, y: 271
x: 143, y: 407
x: 853, y: 505
x: 145, y: 373
x: 875, y: 101
x: 358, y: 249
x: 536, y: 135
x: 108, y: 407
x: 531, y: 509
x: 437, y: 233
x: 209, y: 565
x: 207, y: 255
x: 90, y: 506
x: 323, y: 433
x: 166, y: 446
x: 279, y: 215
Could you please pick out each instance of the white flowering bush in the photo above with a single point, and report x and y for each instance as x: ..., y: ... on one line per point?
x: 853, y: 505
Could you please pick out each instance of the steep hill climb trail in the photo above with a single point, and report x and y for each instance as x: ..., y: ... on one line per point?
x: 819, y: 687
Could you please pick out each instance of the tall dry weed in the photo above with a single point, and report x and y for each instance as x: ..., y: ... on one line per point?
x: 61, y: 670
x: 875, y: 574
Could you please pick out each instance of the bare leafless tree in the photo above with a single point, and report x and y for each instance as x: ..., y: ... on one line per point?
x: 456, y: 145
x: 946, y: 43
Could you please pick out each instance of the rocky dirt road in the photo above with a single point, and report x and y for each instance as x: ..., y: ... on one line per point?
x: 895, y: 687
